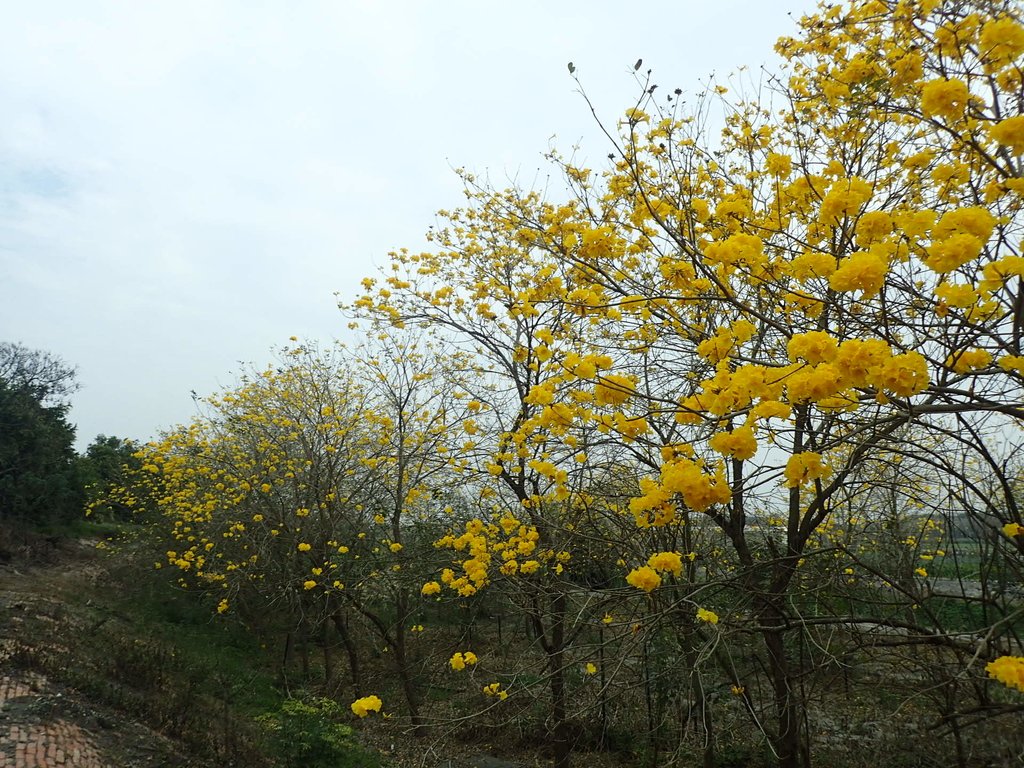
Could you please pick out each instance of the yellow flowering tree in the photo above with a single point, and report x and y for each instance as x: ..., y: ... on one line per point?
x: 757, y: 325
x: 541, y: 461
x: 845, y: 262
x: 411, y: 415
x: 294, y: 498
x: 260, y: 494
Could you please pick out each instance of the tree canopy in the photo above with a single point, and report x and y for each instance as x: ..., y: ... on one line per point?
x: 39, y: 482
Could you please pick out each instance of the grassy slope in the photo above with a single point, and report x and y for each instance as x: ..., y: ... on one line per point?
x: 127, y: 649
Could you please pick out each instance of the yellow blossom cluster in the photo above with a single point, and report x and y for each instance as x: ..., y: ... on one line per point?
x: 945, y: 99
x: 460, y: 660
x: 367, y: 704
x: 803, y: 468
x: 738, y: 443
x: 709, y: 617
x: 1008, y: 670
x: 644, y: 577
x: 613, y: 389
x: 690, y: 479
x: 494, y: 689
x: 506, y: 543
x: 969, y: 360
x: 670, y: 562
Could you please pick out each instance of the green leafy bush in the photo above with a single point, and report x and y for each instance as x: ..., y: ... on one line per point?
x: 308, y: 734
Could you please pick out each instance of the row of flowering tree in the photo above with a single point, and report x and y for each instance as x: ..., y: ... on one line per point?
x: 290, y: 498
x: 708, y: 426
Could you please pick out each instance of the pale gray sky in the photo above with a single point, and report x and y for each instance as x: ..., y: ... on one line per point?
x: 184, y: 185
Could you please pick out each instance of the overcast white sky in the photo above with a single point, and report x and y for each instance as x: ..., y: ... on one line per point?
x: 184, y: 185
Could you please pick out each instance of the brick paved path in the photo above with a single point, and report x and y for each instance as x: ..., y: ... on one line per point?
x: 46, y: 744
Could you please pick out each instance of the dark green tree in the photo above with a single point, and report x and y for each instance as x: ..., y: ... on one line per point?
x: 40, y: 374
x: 106, y: 465
x: 40, y: 484
x: 39, y: 479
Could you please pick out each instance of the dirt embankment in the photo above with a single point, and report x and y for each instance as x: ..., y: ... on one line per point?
x: 43, y: 722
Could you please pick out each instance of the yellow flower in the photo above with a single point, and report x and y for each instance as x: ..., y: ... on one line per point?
x: 1009, y: 133
x: 707, y: 616
x: 1012, y: 363
x: 803, y: 468
x: 740, y: 443
x: 952, y: 253
x: 308, y: 584
x: 858, y: 358
x: 459, y: 660
x: 666, y: 561
x: 304, y: 547
x: 494, y: 689
x: 904, y: 375
x: 1002, y: 41
x: 957, y: 294
x: 737, y: 249
x: 430, y: 588
x: 873, y: 226
x: 844, y: 198
x: 813, y: 347
x: 969, y: 360
x: 612, y: 389
x: 778, y: 165
x: 1008, y: 670
x: 699, y: 489
x: 530, y: 566
x: 972, y: 220
x: 770, y: 409
x: 862, y: 271
x: 395, y: 547
x: 590, y: 669
x: 608, y: 619
x: 362, y: 707
x: 944, y: 98
x: 222, y: 606
x: 644, y: 578
x: 812, y: 264
x: 1013, y: 529
x: 921, y: 572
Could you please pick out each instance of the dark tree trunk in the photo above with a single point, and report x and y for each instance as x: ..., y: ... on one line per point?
x: 403, y: 666
x: 341, y: 627
x: 286, y: 656
x: 328, y: 656
x: 562, y: 747
x: 788, y: 743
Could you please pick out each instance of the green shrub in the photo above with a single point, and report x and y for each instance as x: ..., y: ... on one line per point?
x: 308, y: 734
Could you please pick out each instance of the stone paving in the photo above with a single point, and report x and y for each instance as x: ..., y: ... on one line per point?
x: 46, y: 744
x: 57, y: 743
